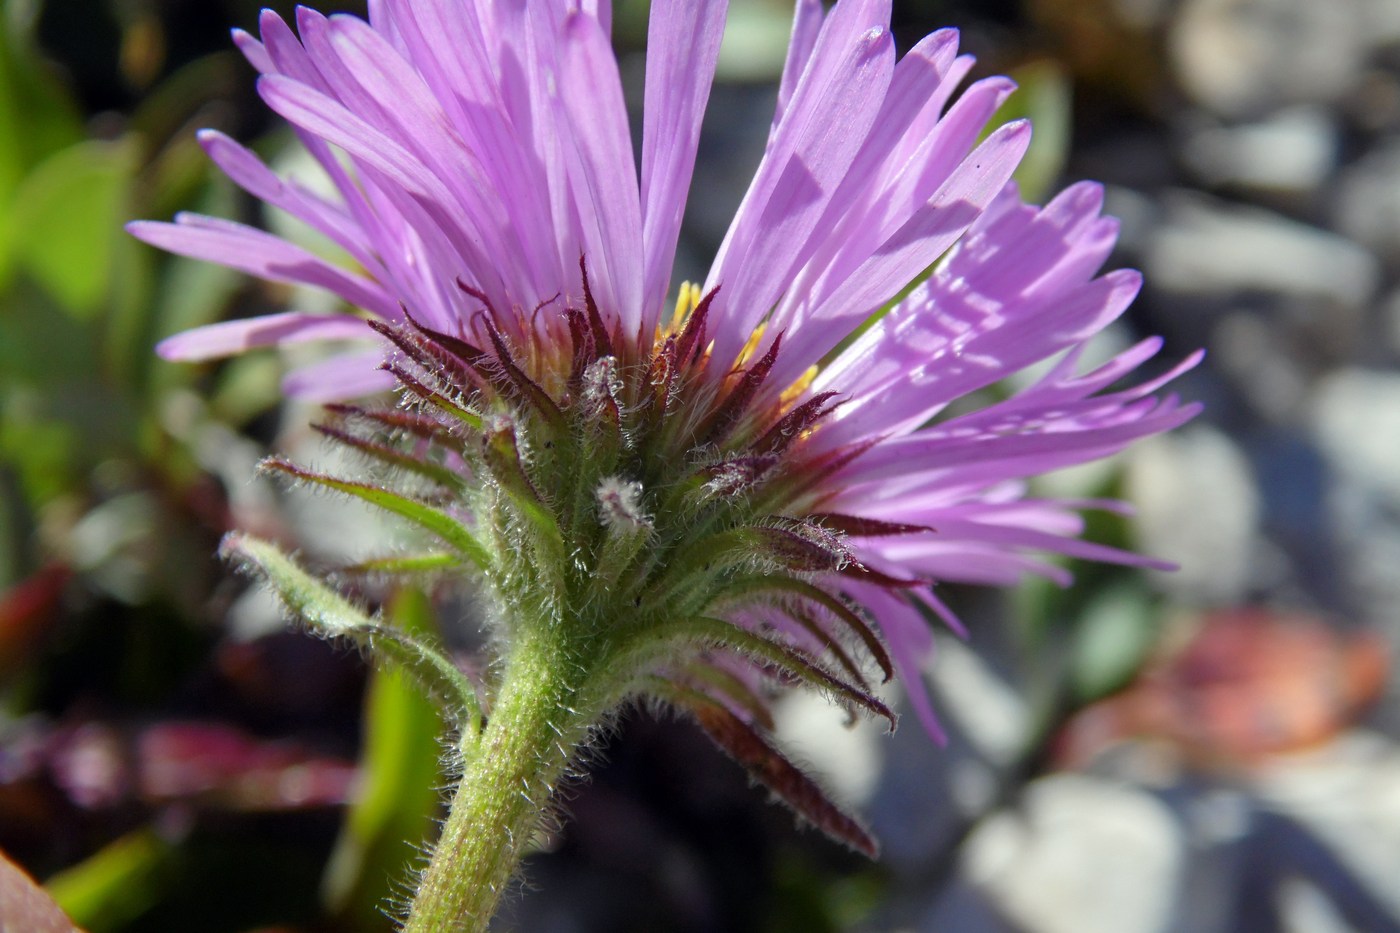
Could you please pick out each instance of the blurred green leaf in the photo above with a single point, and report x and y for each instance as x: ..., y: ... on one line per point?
x: 166, y: 119
x: 16, y: 525
x: 66, y: 218
x: 189, y: 293
x: 43, y: 451
x: 246, y: 387
x: 400, y: 776
x: 120, y: 882
x: 805, y: 897
x: 1042, y: 96
x: 1115, y: 633
x: 755, y: 42
x: 163, y: 112
x: 37, y: 115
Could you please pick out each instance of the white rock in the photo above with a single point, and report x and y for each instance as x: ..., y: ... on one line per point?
x: 1238, y: 57
x: 1198, y: 506
x: 1303, y: 908
x: 847, y: 757
x: 1348, y: 795
x: 1355, y: 420
x: 992, y: 715
x: 1205, y: 247
x: 1368, y: 201
x: 1083, y: 855
x: 1256, y: 354
x: 1293, y: 151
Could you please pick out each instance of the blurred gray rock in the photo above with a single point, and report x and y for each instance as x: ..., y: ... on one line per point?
x: 1306, y: 909
x: 1291, y: 152
x: 1355, y: 420
x: 1198, y: 506
x: 1391, y: 322
x: 1245, y: 57
x: 1382, y: 22
x: 1204, y: 247
x: 1253, y: 351
x: 1348, y: 795
x: 1082, y: 855
x: 1368, y: 202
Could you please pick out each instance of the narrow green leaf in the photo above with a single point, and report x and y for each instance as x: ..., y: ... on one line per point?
x: 424, y: 516
x: 66, y: 219
x: 114, y: 886
x: 331, y: 614
x: 721, y: 681
x: 395, y: 458
x: 1042, y: 95
x: 833, y: 604
x: 501, y: 452
x: 723, y: 634
x: 400, y: 774
x: 406, y: 563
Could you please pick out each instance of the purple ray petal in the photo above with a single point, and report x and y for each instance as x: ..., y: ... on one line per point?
x: 231, y: 337
x: 351, y: 375
x: 682, y: 47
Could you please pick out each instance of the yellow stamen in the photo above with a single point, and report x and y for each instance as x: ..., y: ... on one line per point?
x: 751, y: 347
x: 686, y: 302
x: 793, y: 392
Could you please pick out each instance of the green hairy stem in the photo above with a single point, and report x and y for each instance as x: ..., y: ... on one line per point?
x: 504, y: 796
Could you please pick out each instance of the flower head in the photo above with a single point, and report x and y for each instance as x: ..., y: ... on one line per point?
x: 740, y: 486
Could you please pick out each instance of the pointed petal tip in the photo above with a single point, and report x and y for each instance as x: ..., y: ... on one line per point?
x: 935, y: 731
x: 307, y: 18
x: 269, y: 19
x: 1128, y: 280
x: 151, y: 232
x: 1015, y: 128
x: 174, y: 350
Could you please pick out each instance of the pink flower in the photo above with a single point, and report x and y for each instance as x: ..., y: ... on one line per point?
x: 479, y: 149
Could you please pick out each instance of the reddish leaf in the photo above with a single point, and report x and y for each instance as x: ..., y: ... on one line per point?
x: 803, y: 547
x: 602, y: 340
x: 396, y: 420
x: 736, y: 403
x: 431, y: 358
x: 812, y: 593
x: 221, y: 765
x: 27, y: 610
x: 858, y: 526
x: 523, y: 386
x: 1251, y: 683
x: 770, y: 768
x: 692, y: 338
x: 394, y: 457
x: 790, y: 427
